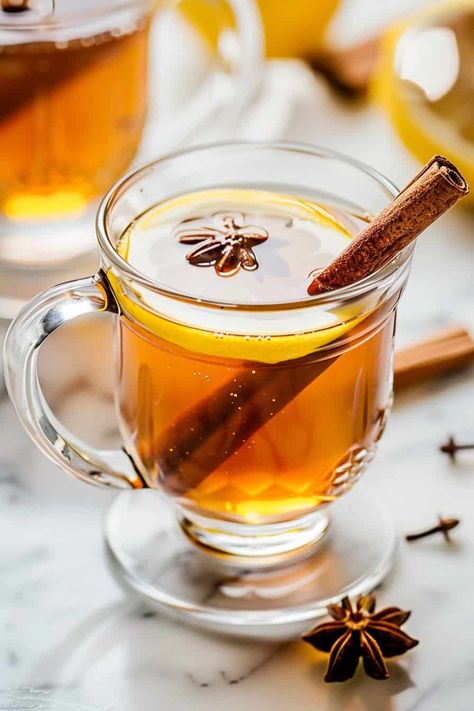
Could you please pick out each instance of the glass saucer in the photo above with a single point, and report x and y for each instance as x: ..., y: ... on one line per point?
x: 150, y: 554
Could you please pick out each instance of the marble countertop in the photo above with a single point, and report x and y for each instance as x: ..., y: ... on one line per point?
x: 71, y: 639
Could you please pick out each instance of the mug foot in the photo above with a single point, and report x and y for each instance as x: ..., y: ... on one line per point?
x: 151, y: 555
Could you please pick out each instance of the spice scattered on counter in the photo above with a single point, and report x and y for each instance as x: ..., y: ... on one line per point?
x: 360, y: 633
x: 451, y: 448
x: 444, y: 526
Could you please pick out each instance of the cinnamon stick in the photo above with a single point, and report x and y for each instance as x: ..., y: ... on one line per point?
x: 24, y: 79
x: 443, y: 353
x: 15, y: 5
x: 436, y: 188
x: 217, y: 426
x: 211, y: 431
x: 348, y: 69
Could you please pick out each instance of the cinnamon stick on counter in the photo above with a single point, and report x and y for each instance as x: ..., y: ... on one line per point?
x: 211, y: 431
x: 436, y: 188
x: 443, y: 353
x: 348, y: 69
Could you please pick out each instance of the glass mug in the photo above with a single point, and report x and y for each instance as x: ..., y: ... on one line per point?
x: 73, y: 104
x: 251, y: 483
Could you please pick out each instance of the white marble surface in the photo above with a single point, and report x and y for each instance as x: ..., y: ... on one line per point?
x: 70, y: 639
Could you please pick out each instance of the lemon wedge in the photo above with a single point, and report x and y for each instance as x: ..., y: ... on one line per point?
x: 424, y: 82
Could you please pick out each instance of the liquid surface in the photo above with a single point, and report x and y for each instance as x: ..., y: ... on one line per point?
x: 291, y: 238
x: 180, y: 243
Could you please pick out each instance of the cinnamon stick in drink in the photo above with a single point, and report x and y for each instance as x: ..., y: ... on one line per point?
x: 436, y: 188
x: 211, y: 431
x: 31, y: 73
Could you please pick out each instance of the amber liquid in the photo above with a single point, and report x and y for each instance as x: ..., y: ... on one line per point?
x: 71, y: 117
x: 297, y: 450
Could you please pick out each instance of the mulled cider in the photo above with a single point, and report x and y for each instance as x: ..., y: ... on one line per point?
x: 245, y: 401
x: 72, y: 102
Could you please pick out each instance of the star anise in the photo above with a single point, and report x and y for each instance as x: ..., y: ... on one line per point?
x: 227, y: 245
x: 360, y: 633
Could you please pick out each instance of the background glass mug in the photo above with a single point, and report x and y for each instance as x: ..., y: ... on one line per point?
x: 249, y: 507
x: 73, y: 102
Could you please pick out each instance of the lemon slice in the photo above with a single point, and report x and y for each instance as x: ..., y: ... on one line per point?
x: 424, y: 82
x: 261, y: 348
x: 243, y: 334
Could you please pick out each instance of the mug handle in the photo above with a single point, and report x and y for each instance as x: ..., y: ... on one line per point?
x: 35, y: 322
x: 226, y: 98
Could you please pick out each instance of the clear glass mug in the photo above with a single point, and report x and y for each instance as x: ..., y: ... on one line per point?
x: 251, y: 489
x: 74, y: 94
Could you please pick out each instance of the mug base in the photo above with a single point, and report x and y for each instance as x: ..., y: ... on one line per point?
x: 150, y: 554
x: 248, y: 546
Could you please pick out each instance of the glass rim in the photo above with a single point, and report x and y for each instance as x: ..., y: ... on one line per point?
x: 19, y: 23
x: 359, y: 288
